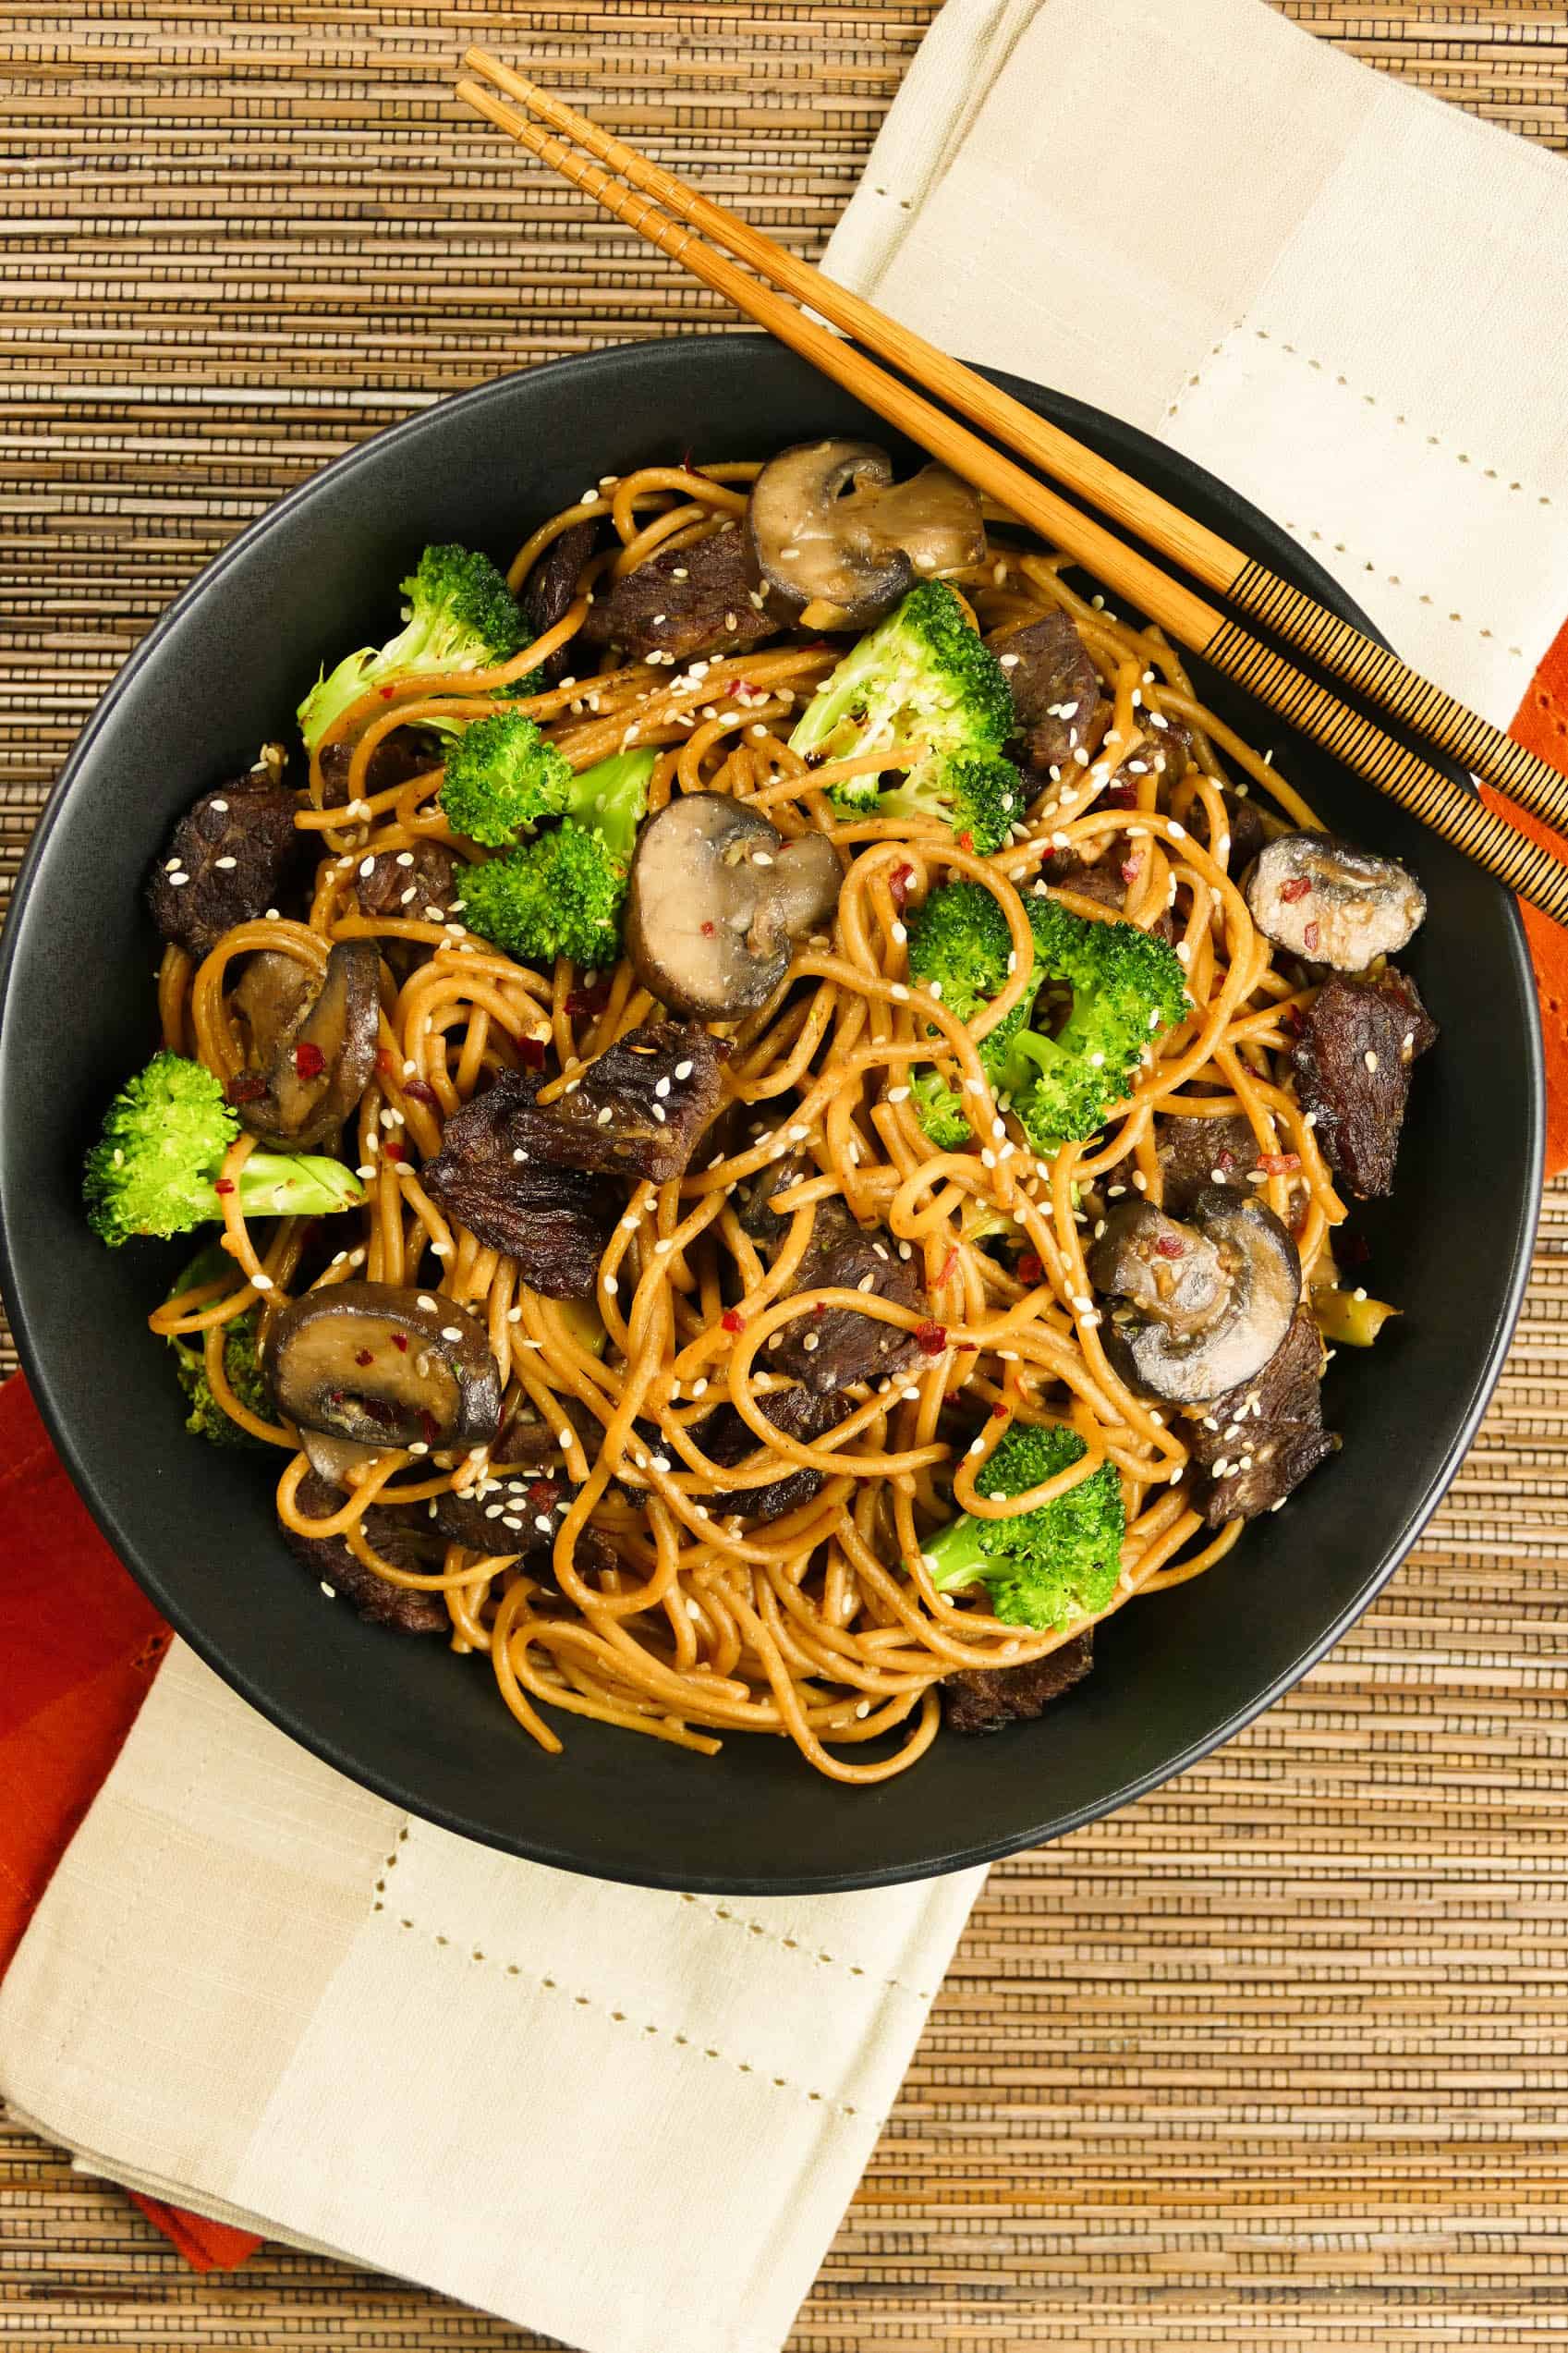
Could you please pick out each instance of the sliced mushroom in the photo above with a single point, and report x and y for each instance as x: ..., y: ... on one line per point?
x: 324, y: 1057
x: 270, y: 997
x: 1207, y: 1302
x: 1323, y: 899
x: 337, y: 1459
x: 383, y: 1367
x: 835, y: 543
x: 717, y: 900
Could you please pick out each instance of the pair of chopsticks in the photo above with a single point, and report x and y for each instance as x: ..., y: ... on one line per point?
x: 656, y: 204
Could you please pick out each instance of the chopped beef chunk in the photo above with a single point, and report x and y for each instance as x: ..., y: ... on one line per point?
x: 1056, y: 691
x: 1244, y: 824
x: 684, y: 601
x: 506, y: 1518
x: 550, y: 586
x: 725, y: 1439
x: 829, y: 1350
x: 230, y: 858
x: 1107, y: 881
x: 1266, y: 1435
x: 407, y: 752
x: 640, y: 1108
x: 1164, y: 752
x: 1352, y: 1065
x: 1194, y: 1154
x: 417, y: 884
x: 404, y: 1543
x: 754, y: 1200
x: 499, y: 1173
x: 984, y: 1698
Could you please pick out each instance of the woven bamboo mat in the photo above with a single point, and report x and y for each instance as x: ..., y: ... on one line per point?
x: 1276, y: 2058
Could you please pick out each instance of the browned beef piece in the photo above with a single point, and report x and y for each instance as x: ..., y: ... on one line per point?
x: 1056, y: 691
x: 1106, y: 882
x: 1258, y: 1442
x: 408, y: 752
x: 506, y: 1519
x: 725, y: 1438
x: 1352, y: 1065
x: 418, y: 883
x: 687, y: 600
x: 1194, y: 1154
x: 397, y: 1536
x: 829, y: 1350
x: 1164, y: 752
x: 232, y: 856
x: 754, y: 1200
x: 551, y: 587
x: 984, y: 1698
x: 499, y: 1173
x: 641, y: 1108
x: 1244, y: 824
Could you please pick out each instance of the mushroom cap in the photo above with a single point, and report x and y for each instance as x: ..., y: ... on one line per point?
x: 1323, y: 899
x: 323, y: 1058
x: 835, y: 543
x: 716, y: 900
x: 1188, y: 1349
x: 383, y: 1367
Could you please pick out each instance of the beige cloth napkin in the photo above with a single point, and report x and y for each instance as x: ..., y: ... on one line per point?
x: 632, y: 2120
x: 627, y: 2118
x: 1345, y: 299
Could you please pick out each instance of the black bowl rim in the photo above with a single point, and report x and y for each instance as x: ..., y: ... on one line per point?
x: 1289, y: 557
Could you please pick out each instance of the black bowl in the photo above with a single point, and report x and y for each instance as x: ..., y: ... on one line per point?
x: 1174, y: 1677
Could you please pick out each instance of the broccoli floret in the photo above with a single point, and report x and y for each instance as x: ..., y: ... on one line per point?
x: 207, y: 1418
x: 939, y: 1110
x: 921, y: 678
x: 502, y: 777
x: 959, y: 939
x: 462, y: 616
x: 561, y: 895
x: 155, y: 1167
x: 613, y: 799
x: 1046, y: 1567
x: 1127, y: 987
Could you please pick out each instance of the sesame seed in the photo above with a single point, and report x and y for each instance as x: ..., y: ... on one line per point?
x: 178, y: 882
x: 261, y: 1281
x: 1370, y: 1059
x: 898, y: 1094
x: 899, y: 992
x: 659, y: 1113
x: 222, y: 806
x: 604, y: 1118
x: 225, y: 865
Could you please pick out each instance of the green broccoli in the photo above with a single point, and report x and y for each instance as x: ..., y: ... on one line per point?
x: 559, y: 895
x: 959, y: 943
x: 207, y: 1418
x: 1045, y: 1569
x: 154, y: 1169
x: 503, y: 778
x: 460, y: 615
x: 1127, y: 987
x: 921, y: 678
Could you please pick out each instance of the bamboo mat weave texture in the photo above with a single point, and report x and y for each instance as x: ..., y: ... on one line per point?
x: 1275, y: 2059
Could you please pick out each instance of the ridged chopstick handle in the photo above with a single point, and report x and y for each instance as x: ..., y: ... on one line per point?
x: 1458, y: 815
x: 1410, y: 699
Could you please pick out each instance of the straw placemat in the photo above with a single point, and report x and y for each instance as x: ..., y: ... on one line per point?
x: 1276, y: 2058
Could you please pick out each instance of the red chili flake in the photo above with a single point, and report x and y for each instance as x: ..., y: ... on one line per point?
x: 948, y: 1263
x: 731, y: 1320
x: 243, y: 1090
x: 387, y: 693
x: 1132, y: 870
x: 966, y: 1347
x: 1309, y: 939
x: 708, y: 930
x: 1048, y: 850
x: 429, y: 1425
x: 1170, y: 1246
x: 386, y: 1061
x: 999, y: 1413
x: 966, y: 840
x: 820, y: 1308
x: 586, y: 1000
x: 400, y: 1342
x: 1226, y: 1162
x: 363, y: 1356
x: 308, y: 1060
x: 543, y: 1494
x: 418, y: 1092
x: 1290, y: 1019
x: 530, y: 1053
x: 1030, y: 1268
x: 898, y: 884
x: 687, y: 456
x: 1299, y: 889
x: 392, y: 1151
x: 930, y: 1338
x: 1121, y: 796
x: 1279, y: 1163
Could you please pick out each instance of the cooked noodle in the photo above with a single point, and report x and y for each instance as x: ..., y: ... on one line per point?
x: 824, y: 1626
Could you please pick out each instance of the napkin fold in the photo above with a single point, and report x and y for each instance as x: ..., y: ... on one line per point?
x: 252, y: 1992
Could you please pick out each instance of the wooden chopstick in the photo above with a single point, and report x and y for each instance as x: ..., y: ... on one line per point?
x: 1309, y: 627
x: 1393, y: 767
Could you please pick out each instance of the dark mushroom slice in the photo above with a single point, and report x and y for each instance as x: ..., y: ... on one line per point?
x: 323, y: 1060
x: 985, y: 1699
x: 233, y: 855
x: 405, y: 1542
x: 1324, y: 899
x: 835, y: 542
x: 337, y: 1459
x: 1203, y: 1303
x: 717, y: 901
x: 271, y: 996
x: 383, y: 1366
